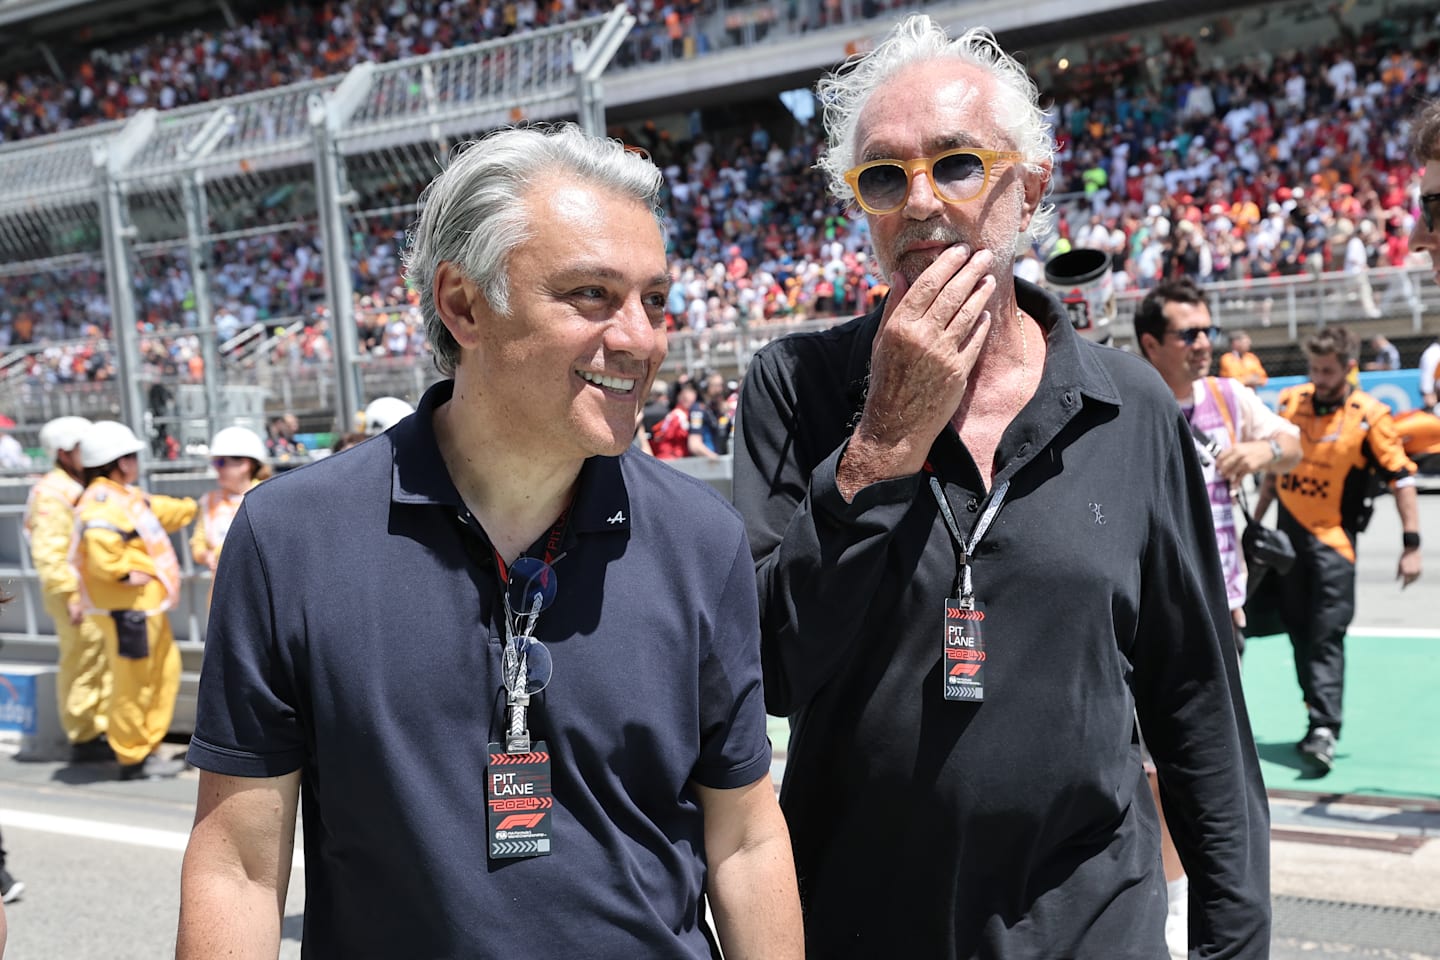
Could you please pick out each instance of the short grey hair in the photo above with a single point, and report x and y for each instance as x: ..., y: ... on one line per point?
x: 918, y: 39
x: 473, y: 214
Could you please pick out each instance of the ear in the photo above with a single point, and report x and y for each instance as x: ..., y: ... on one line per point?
x: 461, y: 305
x: 1147, y: 343
x: 1035, y: 182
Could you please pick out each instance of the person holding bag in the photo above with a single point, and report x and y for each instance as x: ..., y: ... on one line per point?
x: 129, y: 577
x: 1236, y: 433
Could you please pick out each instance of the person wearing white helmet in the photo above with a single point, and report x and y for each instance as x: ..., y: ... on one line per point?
x: 82, y: 679
x: 383, y: 413
x: 129, y: 578
x: 238, y: 457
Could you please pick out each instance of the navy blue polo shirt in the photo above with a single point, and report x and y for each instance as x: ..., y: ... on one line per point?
x: 356, y: 636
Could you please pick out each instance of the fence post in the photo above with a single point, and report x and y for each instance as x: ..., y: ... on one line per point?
x: 111, y: 158
x: 328, y: 115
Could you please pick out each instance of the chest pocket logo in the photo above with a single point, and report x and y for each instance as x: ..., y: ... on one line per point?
x: 1099, y: 517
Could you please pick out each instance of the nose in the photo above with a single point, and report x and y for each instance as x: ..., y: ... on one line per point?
x: 921, y: 203
x: 631, y: 331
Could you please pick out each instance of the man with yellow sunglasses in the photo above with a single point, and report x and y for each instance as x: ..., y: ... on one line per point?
x: 984, y: 545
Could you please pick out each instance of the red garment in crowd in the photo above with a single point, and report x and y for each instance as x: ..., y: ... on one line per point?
x: 670, y: 438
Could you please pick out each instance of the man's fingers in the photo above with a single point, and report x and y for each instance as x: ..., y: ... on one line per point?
x: 899, y: 286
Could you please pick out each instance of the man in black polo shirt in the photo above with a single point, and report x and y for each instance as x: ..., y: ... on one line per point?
x: 984, y: 544
x: 448, y: 644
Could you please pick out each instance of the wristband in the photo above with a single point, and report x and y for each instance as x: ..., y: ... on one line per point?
x: 1411, y: 541
x: 1275, y: 451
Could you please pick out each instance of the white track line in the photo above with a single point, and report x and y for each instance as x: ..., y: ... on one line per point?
x: 1403, y: 633
x: 172, y: 840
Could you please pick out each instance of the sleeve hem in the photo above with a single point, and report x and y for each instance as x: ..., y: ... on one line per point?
x: 825, y: 491
x: 242, y: 763
x: 740, y: 775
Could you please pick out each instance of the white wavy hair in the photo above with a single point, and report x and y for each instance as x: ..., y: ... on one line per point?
x: 473, y: 214
x: 917, y: 39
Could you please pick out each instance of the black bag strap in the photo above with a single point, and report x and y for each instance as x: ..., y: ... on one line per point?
x: 1236, y: 491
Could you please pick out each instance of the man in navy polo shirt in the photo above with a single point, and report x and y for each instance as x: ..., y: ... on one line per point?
x: 448, y: 643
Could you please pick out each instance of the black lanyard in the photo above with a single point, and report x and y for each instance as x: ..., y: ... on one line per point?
x: 963, y: 550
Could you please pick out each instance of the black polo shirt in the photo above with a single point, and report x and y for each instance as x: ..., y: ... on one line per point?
x: 1019, y: 827
x: 355, y: 637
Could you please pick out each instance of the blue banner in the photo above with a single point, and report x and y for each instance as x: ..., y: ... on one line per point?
x: 1397, y: 389
x: 17, y: 702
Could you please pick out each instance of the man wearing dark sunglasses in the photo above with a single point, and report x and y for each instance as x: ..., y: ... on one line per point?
x: 983, y: 544
x: 523, y: 709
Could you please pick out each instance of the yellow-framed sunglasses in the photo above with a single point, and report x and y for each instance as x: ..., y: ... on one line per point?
x: 956, y: 176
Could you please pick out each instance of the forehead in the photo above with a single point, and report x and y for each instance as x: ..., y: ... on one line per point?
x: 1184, y: 315
x: 928, y: 107
x: 574, y: 225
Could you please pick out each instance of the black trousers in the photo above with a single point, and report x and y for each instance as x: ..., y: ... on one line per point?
x: 1317, y: 603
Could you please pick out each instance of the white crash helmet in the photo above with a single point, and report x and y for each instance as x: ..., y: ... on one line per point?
x: 383, y: 413
x: 107, y: 441
x: 238, y: 442
x: 62, y: 433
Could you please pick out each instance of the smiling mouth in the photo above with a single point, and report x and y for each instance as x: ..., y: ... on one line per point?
x: 616, y: 384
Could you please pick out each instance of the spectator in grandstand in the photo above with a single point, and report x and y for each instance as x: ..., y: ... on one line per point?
x: 129, y: 578
x: 1348, y: 436
x: 1239, y: 363
x: 82, y: 679
x: 550, y: 328
x: 861, y: 448
x: 1387, y: 357
x: 672, y: 437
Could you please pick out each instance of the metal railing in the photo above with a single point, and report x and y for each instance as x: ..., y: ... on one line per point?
x: 1294, y: 304
x: 162, y: 188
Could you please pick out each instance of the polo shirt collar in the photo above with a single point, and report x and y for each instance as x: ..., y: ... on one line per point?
x: 419, y: 474
x: 1069, y: 361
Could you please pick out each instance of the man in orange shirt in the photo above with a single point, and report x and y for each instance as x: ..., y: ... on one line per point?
x: 1347, y: 437
x: 1238, y: 363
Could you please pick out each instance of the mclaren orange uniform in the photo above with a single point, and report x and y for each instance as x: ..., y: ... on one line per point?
x: 1419, y: 431
x: 1245, y: 367
x: 82, y: 681
x: 119, y: 533
x: 1322, y: 508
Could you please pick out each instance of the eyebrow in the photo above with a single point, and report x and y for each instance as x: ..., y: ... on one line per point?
x: 954, y: 141
x: 581, y: 273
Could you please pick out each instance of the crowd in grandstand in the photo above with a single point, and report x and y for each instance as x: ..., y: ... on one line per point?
x: 1272, y: 167
x: 292, y: 43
